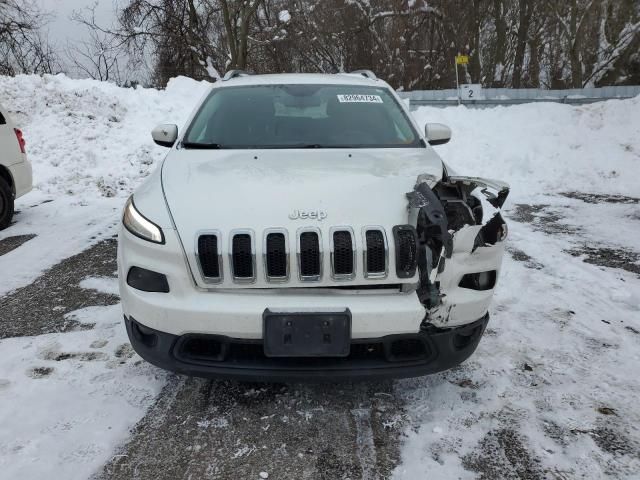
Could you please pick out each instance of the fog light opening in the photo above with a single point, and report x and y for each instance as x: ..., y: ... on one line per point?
x: 147, y: 281
x: 479, y: 281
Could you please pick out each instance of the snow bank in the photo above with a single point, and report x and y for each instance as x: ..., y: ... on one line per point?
x: 88, y: 138
x: 90, y: 145
x: 546, y: 147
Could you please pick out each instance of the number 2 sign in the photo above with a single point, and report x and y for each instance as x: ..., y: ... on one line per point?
x: 471, y: 91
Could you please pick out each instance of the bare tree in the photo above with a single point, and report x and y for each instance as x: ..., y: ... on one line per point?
x: 410, y: 43
x: 617, y: 35
x: 23, y: 49
x: 97, y: 57
x: 238, y: 17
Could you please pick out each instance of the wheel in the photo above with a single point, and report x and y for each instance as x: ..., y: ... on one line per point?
x: 6, y: 204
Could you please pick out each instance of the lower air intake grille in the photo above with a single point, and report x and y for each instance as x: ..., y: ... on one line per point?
x: 406, y: 250
x: 276, y: 255
x: 242, y: 256
x: 309, y: 254
x: 376, y: 253
x: 342, y: 253
x: 208, y: 255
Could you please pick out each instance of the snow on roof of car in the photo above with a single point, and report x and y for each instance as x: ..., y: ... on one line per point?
x: 301, y: 78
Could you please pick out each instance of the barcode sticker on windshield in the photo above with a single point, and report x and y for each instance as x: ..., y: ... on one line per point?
x: 357, y: 98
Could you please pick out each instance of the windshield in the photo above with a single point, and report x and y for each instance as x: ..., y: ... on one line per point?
x: 301, y: 116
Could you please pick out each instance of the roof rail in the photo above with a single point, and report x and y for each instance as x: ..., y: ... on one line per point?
x: 365, y: 73
x: 234, y: 73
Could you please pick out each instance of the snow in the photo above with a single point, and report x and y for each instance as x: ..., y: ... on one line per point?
x: 545, y: 147
x: 90, y: 146
x: 284, y: 16
x: 108, y: 285
x: 68, y: 419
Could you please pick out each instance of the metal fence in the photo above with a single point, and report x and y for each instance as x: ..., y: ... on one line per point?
x: 507, y: 96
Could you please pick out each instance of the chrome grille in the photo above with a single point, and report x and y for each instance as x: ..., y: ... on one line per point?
x: 276, y: 256
x: 307, y: 245
x: 208, y: 253
x: 242, y: 257
x: 406, y: 250
x: 342, y: 254
x: 309, y: 255
x: 375, y: 253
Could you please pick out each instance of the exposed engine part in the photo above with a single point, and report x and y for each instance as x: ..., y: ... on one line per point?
x: 435, y: 242
x: 427, y: 214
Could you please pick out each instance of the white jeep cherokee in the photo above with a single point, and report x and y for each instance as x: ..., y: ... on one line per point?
x: 302, y: 227
x: 15, y: 169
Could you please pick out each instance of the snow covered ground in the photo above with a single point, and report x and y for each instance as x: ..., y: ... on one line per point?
x: 550, y: 393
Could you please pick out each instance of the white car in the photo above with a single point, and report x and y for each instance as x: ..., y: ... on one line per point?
x: 302, y: 227
x: 15, y: 169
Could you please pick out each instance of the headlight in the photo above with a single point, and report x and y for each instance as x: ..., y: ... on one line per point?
x: 140, y: 226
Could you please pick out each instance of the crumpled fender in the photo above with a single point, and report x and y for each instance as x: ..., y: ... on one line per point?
x: 455, y: 216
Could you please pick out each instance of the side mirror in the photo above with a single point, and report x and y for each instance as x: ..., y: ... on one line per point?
x: 165, y: 135
x: 437, y: 133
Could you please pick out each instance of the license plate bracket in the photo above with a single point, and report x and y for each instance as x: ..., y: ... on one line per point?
x: 307, y: 334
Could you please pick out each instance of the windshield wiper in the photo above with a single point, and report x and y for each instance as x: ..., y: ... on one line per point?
x: 202, y: 146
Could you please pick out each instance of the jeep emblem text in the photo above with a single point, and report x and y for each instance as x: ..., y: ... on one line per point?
x: 308, y: 214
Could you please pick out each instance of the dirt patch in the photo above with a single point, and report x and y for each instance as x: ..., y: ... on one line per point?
x: 40, y: 372
x: 124, y: 351
x: 543, y: 218
x: 502, y: 454
x: 41, y: 306
x: 218, y: 430
x: 82, y: 356
x: 11, y: 243
x: 608, y: 257
x: 520, y: 256
x: 465, y: 383
x: 600, y: 198
x: 612, y: 441
x: 609, y: 439
x: 607, y: 411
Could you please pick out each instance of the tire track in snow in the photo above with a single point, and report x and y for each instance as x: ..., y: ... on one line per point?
x: 364, y: 443
x: 220, y: 429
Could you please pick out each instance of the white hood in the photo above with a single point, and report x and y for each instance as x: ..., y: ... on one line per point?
x: 227, y: 189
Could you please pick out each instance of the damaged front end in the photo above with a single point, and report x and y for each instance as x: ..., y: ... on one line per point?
x: 460, y: 233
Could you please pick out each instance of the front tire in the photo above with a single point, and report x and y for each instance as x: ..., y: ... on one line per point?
x: 6, y: 204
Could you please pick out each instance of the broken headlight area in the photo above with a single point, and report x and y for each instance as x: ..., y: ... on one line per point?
x: 494, y: 231
x: 455, y: 214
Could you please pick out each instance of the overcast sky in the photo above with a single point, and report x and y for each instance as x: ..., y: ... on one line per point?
x: 62, y: 29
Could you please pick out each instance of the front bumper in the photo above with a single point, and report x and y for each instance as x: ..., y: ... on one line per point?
x: 392, y: 356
